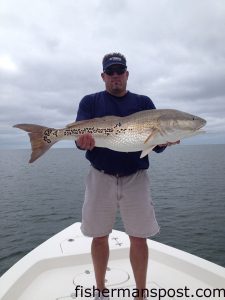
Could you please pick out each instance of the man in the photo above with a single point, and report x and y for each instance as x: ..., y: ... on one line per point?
x: 116, y: 178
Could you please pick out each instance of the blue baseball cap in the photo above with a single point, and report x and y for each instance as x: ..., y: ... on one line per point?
x: 114, y: 60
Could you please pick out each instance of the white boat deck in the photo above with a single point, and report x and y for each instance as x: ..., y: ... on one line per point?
x: 54, y: 269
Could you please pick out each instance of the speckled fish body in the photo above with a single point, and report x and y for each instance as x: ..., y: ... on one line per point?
x: 140, y: 131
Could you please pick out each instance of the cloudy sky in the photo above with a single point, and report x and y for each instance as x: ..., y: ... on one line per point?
x: 51, y: 52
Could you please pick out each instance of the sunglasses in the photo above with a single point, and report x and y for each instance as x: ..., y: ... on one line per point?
x: 118, y: 70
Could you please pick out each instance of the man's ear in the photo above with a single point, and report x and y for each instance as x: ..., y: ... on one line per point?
x: 103, y: 76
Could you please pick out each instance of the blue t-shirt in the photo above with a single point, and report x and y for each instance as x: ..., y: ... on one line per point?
x: 104, y: 104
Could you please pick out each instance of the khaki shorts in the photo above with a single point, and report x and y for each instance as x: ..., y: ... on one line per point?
x: 130, y: 194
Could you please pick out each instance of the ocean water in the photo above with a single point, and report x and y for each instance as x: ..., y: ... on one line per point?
x: 38, y: 200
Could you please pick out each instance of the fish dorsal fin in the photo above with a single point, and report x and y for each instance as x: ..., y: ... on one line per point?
x: 147, y: 151
x: 112, y: 120
x: 75, y: 124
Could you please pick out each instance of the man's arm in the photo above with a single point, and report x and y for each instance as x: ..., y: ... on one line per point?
x: 85, y: 141
x: 169, y: 144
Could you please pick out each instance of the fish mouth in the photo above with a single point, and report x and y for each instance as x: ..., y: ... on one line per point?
x: 202, y: 123
x: 201, y: 131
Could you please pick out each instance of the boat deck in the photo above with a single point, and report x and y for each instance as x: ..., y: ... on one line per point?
x: 61, y: 268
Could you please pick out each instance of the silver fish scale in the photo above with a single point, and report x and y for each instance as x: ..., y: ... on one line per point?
x: 123, y: 141
x: 129, y: 136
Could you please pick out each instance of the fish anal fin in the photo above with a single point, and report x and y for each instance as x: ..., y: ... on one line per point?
x: 147, y: 151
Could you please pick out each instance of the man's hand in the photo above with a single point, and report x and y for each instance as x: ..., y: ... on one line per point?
x: 86, y: 142
x: 169, y: 144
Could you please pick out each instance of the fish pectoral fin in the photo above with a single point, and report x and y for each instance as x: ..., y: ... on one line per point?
x: 147, y: 151
x: 151, y: 135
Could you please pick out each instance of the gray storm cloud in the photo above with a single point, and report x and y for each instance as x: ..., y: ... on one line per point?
x: 50, y: 57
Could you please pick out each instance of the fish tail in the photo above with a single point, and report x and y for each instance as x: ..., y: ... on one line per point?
x: 39, y: 145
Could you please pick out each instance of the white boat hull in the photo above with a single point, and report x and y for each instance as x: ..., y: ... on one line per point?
x: 53, y: 270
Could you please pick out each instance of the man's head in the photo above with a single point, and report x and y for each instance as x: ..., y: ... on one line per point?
x: 113, y: 59
x: 115, y: 73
